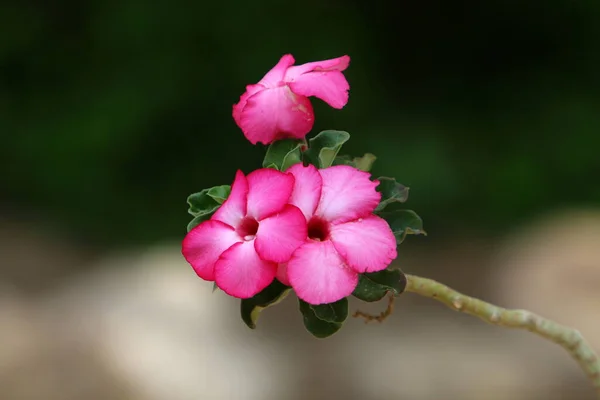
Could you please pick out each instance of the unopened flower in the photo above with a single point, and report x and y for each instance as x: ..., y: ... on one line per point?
x: 344, y: 237
x: 253, y: 230
x: 278, y: 106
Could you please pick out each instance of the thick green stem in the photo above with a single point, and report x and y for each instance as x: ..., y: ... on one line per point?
x: 570, y: 339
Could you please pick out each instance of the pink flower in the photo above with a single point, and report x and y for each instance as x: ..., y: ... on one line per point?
x: 278, y: 106
x: 253, y: 230
x: 344, y: 237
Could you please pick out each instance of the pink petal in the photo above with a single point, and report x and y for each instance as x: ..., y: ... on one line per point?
x: 268, y: 192
x: 347, y: 194
x: 334, y: 64
x: 281, y: 274
x: 322, y: 79
x: 307, y: 188
x: 277, y: 113
x: 241, y: 273
x: 281, y: 234
x: 319, y: 275
x: 331, y: 87
x: 204, y: 244
x: 239, y: 107
x: 233, y: 210
x: 367, y: 244
x: 277, y: 73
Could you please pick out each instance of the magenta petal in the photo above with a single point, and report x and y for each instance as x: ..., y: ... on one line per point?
x: 281, y: 274
x: 276, y: 113
x: 204, y: 244
x: 268, y: 192
x: 307, y: 188
x: 334, y: 64
x: 239, y: 107
x: 319, y: 275
x: 367, y: 244
x: 347, y: 194
x: 281, y: 234
x: 234, y: 208
x: 241, y: 273
x: 331, y: 87
x: 277, y: 73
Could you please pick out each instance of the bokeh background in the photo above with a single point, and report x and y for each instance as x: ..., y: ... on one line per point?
x: 111, y: 113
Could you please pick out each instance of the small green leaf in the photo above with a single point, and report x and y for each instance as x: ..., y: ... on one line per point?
x: 316, y: 326
x: 204, y: 203
x: 215, y: 287
x: 323, y: 148
x: 344, y: 159
x: 375, y: 285
x: 333, y: 312
x: 251, y: 308
x: 219, y: 193
x: 365, y: 162
x: 201, y: 203
x: 207, y: 201
x: 391, y: 192
x: 282, y: 154
x: 403, y: 222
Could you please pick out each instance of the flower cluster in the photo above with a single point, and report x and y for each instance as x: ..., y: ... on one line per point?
x: 309, y: 220
x: 312, y: 229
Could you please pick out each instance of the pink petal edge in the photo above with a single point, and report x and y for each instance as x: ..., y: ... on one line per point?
x: 240, y: 105
x: 347, y: 194
x: 307, y: 188
x: 277, y: 113
x: 367, y: 244
x: 241, y: 273
x: 331, y: 87
x: 333, y: 64
x: 268, y: 192
x: 319, y: 275
x: 234, y: 209
x: 204, y: 244
x: 281, y: 234
x: 277, y: 73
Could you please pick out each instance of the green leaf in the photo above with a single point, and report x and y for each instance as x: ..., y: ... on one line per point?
x: 363, y: 163
x: 316, y: 326
x: 374, y: 286
x: 204, y: 203
x: 323, y: 148
x: 343, y: 159
x: 282, y: 154
x: 251, y: 308
x: 391, y: 192
x: 201, y: 203
x: 333, y: 312
x: 219, y: 193
x: 207, y: 201
x: 403, y: 222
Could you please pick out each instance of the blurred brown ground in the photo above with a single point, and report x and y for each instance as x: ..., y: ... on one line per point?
x: 142, y: 326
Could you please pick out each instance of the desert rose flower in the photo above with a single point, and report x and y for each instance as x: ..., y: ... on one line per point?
x: 344, y: 237
x: 278, y: 106
x: 253, y: 230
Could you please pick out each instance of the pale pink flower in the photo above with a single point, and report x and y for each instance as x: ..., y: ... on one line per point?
x: 278, y: 106
x: 344, y: 237
x: 253, y: 230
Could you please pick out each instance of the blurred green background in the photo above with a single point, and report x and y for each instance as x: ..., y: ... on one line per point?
x: 112, y: 112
